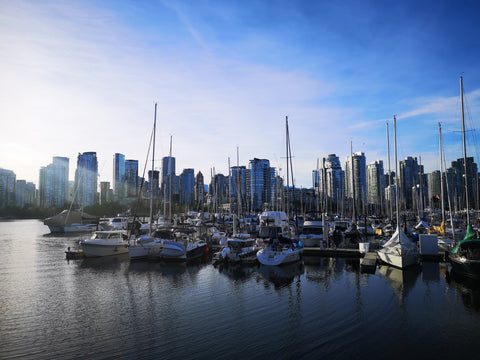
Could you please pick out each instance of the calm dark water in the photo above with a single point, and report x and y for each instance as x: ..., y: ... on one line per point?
x: 323, y: 308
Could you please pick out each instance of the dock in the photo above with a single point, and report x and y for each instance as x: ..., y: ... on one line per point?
x: 74, y: 254
x: 331, y: 252
x: 368, y: 262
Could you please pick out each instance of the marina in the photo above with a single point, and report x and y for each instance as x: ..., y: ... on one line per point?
x: 319, y: 307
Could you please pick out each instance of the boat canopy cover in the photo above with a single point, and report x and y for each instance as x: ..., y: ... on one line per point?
x: 399, y: 239
x: 277, y: 217
x: 421, y: 224
x: 471, y: 237
x: 67, y: 218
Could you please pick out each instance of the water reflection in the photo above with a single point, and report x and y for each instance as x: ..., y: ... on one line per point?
x: 281, y: 276
x: 402, y: 281
x: 467, y: 288
x: 237, y: 272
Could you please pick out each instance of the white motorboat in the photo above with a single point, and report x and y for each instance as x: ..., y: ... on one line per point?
x: 241, y: 248
x: 312, y: 234
x: 105, y: 243
x: 170, y: 251
x: 280, y: 251
x: 142, y: 247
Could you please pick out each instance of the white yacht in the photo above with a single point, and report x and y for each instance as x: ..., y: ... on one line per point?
x: 105, y: 243
x: 280, y: 251
x: 240, y: 248
x: 312, y: 234
x: 275, y: 235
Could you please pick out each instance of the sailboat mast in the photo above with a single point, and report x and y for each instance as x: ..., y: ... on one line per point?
x: 153, y: 167
x: 397, y: 208
x: 354, y: 205
x: 464, y: 153
x: 288, y: 182
x: 389, y: 176
x: 441, y: 172
x: 239, y: 198
x: 170, y: 181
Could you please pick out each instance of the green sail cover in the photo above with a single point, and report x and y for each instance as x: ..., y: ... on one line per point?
x: 470, y: 236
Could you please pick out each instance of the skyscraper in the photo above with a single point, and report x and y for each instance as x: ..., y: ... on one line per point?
x: 458, y: 182
x: 333, y: 176
x: 409, y: 177
x: 131, y: 178
x: 260, y: 183
x: 168, y: 176
x: 153, y: 182
x: 7, y: 188
x: 238, y: 184
x: 187, y: 187
x: 199, y: 189
x: 53, y: 183
x: 86, y: 179
x: 119, y: 176
x: 376, y: 187
x: 356, y: 180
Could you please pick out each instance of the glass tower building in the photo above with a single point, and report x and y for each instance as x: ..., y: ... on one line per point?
x: 86, y: 177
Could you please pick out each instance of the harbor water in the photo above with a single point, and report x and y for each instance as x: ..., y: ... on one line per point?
x: 321, y: 308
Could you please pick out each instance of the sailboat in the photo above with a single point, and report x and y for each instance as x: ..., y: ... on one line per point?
x: 281, y: 249
x: 150, y: 246
x: 465, y: 256
x: 399, y: 251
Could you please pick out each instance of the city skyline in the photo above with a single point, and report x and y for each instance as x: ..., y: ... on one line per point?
x: 83, y: 77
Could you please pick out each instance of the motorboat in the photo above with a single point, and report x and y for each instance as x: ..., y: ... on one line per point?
x: 240, y: 248
x: 312, y: 234
x: 142, y: 247
x: 105, y: 243
x: 280, y: 251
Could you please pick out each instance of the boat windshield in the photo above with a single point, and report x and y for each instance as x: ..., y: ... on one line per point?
x: 313, y: 231
x: 268, y: 232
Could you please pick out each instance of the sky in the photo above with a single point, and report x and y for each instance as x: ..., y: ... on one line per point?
x: 80, y: 76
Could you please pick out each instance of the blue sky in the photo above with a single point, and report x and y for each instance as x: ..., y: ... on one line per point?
x: 84, y: 76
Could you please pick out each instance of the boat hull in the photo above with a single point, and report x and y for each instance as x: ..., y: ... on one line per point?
x: 399, y: 261
x: 271, y: 257
x: 468, y: 268
x: 143, y: 251
x: 74, y: 228
x: 171, y: 251
x: 97, y: 250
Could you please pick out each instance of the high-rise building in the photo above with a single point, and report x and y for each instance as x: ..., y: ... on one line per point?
x: 119, y: 176
x: 457, y: 185
x: 86, y: 179
x: 153, y: 182
x: 356, y: 180
x: 199, y: 189
x: 131, y: 178
x: 261, y: 187
x: 409, y: 178
x: 53, y: 183
x: 168, y: 176
x: 434, y: 189
x: 106, y: 194
x: 375, y: 187
x: 238, y: 184
x: 333, y: 178
x: 187, y: 187
x: 7, y: 188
